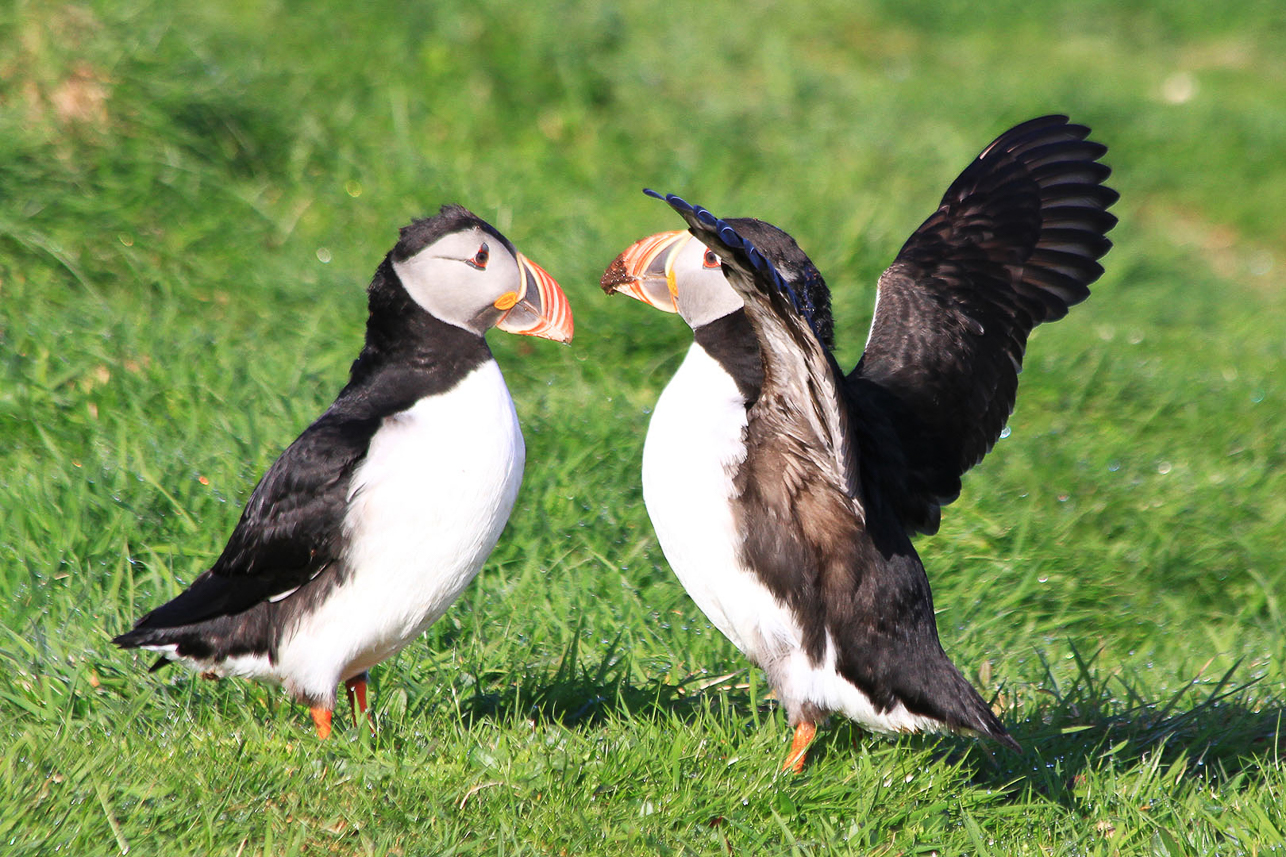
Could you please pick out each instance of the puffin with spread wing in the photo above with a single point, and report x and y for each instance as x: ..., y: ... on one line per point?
x: 785, y: 492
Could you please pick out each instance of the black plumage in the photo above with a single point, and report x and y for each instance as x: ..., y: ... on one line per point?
x: 1015, y: 242
x: 730, y: 340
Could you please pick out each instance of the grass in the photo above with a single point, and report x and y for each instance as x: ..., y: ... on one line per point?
x: 194, y: 197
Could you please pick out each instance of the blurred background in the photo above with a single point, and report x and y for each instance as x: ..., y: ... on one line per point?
x: 193, y: 197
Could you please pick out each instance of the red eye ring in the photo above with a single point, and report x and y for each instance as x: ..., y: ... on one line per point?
x: 480, y: 258
x: 710, y: 259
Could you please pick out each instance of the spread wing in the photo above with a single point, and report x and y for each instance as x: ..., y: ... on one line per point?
x: 850, y: 574
x: 1014, y: 242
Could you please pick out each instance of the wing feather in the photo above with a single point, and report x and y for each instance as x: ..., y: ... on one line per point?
x: 1015, y: 242
x: 289, y: 531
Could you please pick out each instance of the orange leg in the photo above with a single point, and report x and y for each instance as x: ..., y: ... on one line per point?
x: 321, y: 719
x: 804, y: 734
x: 356, y: 687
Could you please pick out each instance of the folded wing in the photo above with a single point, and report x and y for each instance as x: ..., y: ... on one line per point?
x: 288, y: 533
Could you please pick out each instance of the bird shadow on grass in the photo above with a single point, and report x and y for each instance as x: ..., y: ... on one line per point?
x: 1208, y: 730
x: 1212, y: 731
x: 577, y: 694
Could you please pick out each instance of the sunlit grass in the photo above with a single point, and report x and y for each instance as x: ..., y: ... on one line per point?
x: 193, y: 199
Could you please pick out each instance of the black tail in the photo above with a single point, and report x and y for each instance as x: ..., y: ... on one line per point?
x: 214, y: 639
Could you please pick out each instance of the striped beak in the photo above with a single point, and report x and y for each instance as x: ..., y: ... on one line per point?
x: 539, y: 308
x: 645, y: 271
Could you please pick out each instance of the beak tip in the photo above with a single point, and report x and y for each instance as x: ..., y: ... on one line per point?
x: 562, y: 333
x: 615, y: 276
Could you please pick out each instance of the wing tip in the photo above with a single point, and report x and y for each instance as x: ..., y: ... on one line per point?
x: 1006, y: 740
x: 137, y: 637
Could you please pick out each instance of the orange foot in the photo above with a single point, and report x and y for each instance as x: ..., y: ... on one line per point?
x: 356, y: 687
x: 804, y: 734
x: 321, y: 719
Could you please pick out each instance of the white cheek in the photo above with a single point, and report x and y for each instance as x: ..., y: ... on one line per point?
x: 451, y: 289
x: 704, y: 293
x: 436, y: 284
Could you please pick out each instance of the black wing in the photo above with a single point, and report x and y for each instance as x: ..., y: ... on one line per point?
x: 1015, y: 242
x: 289, y: 532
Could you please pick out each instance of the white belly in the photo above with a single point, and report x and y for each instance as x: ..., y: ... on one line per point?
x: 426, y: 507
x: 694, y: 444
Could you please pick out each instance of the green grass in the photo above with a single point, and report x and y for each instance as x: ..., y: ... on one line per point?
x: 193, y: 198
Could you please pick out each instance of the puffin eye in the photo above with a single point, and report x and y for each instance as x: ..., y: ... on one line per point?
x: 480, y: 258
x: 710, y: 260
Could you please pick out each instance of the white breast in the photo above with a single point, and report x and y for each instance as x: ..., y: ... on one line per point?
x: 426, y: 507
x: 695, y: 442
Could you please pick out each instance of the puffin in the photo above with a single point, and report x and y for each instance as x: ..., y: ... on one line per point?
x: 366, y: 529
x: 785, y: 492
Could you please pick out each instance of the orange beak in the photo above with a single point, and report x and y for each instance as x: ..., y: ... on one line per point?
x: 539, y: 308
x: 645, y: 271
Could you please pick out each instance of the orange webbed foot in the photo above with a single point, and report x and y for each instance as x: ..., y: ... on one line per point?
x: 321, y: 719
x: 804, y: 734
x: 356, y: 687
